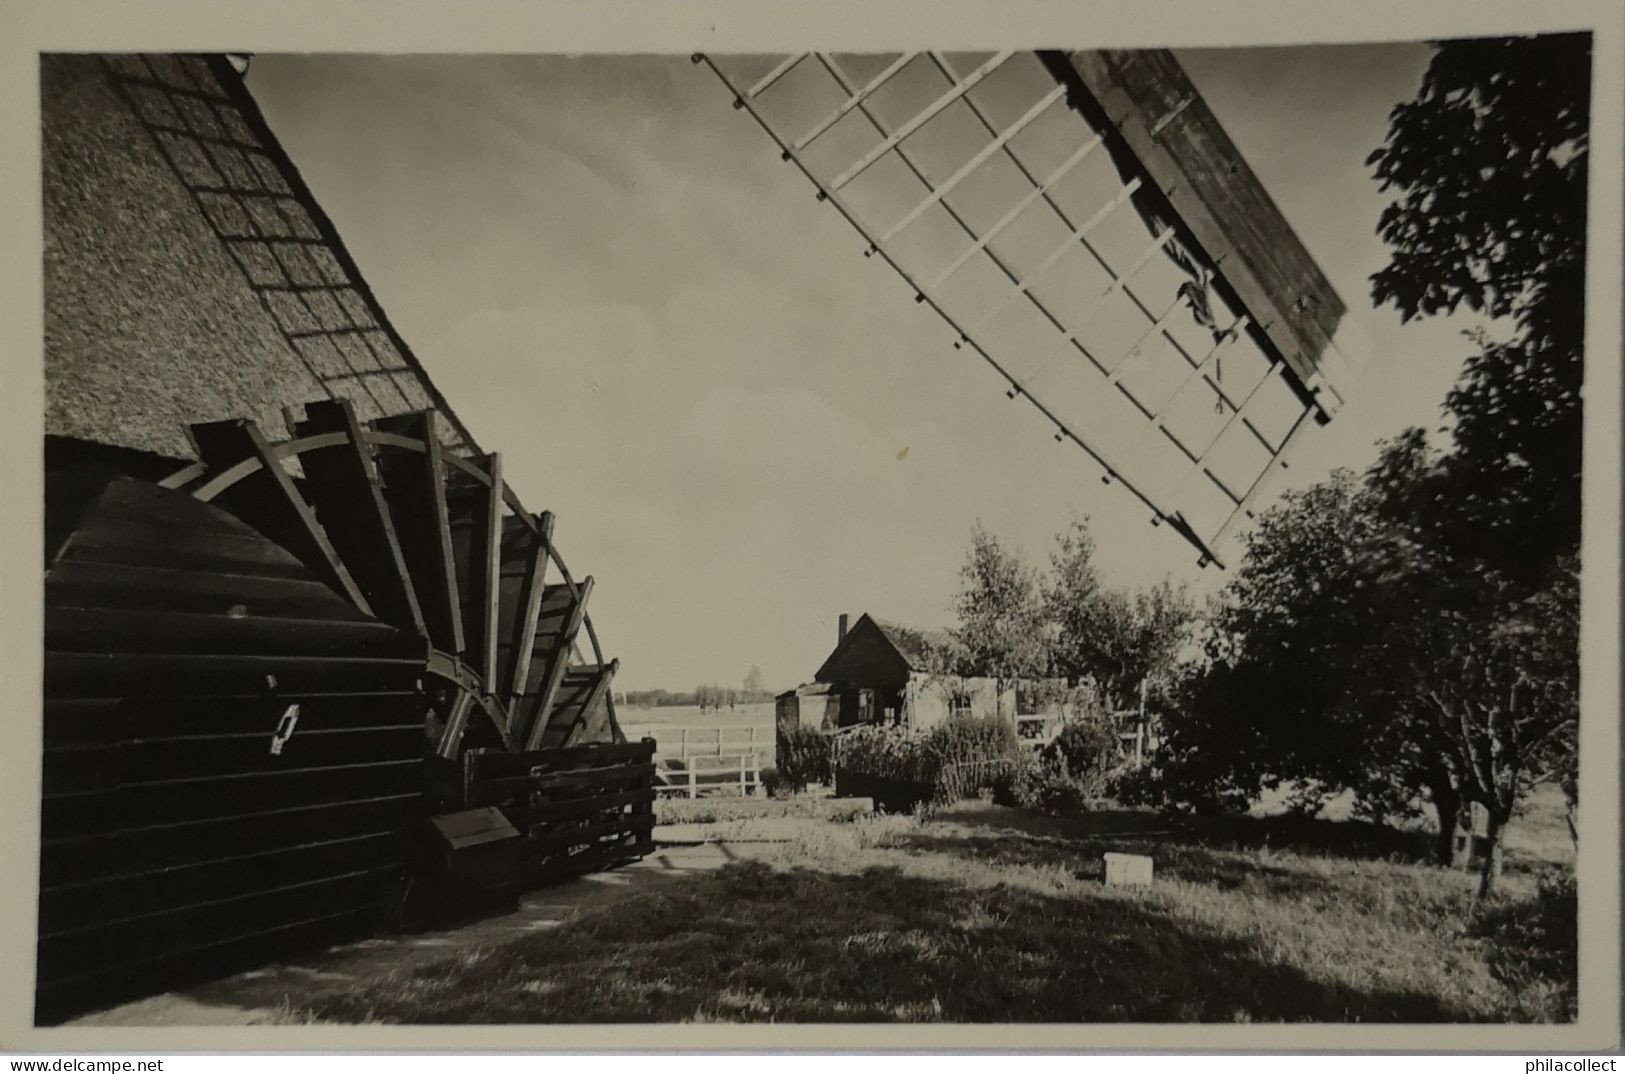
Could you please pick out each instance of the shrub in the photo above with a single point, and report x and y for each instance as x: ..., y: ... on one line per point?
x: 884, y: 752
x: 1533, y: 946
x: 1085, y: 753
x: 967, y: 754
x: 955, y: 759
x: 803, y: 758
x: 1014, y: 786
x: 1070, y: 775
x: 1045, y: 788
x: 772, y: 783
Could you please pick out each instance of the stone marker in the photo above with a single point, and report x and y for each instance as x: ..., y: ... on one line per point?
x: 1128, y: 869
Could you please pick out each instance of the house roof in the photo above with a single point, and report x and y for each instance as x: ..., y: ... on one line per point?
x: 913, y: 644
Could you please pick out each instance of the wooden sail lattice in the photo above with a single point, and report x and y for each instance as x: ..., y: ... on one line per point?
x: 1044, y: 229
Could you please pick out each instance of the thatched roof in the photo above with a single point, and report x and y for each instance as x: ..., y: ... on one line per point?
x: 189, y: 273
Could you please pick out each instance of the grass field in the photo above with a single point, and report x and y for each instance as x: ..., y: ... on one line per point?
x: 988, y: 914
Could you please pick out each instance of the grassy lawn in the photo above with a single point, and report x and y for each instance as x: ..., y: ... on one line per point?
x: 987, y: 914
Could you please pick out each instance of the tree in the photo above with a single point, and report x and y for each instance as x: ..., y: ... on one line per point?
x: 1001, y: 622
x: 1267, y: 705
x: 1353, y: 652
x: 1122, y: 641
x: 1489, y: 167
x: 754, y: 686
x: 1489, y: 164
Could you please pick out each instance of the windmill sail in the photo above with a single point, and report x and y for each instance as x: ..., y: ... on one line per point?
x: 1082, y: 224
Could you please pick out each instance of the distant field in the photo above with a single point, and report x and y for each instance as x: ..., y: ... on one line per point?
x: 666, y: 724
x: 690, y: 715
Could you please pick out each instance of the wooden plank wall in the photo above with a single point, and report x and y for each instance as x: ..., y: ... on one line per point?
x: 233, y: 755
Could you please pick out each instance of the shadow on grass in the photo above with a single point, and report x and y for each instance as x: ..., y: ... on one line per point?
x: 1351, y: 839
x: 1083, y: 858
x: 750, y: 943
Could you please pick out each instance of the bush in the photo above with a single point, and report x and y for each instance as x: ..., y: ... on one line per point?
x: 803, y: 758
x: 1070, y: 775
x: 1008, y: 785
x: 884, y: 752
x: 1533, y: 947
x: 1085, y: 753
x: 956, y: 759
x: 1045, y: 788
x: 968, y: 754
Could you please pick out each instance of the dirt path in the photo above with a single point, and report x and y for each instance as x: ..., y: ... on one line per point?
x: 270, y: 994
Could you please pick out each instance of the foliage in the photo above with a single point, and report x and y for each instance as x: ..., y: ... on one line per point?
x: 1072, y: 774
x: 969, y: 753
x: 802, y: 757
x: 1045, y: 789
x: 1087, y: 752
x: 715, y: 697
x: 1069, y: 702
x: 972, y: 739
x: 1365, y: 657
x: 1012, y: 786
x: 1533, y: 946
x: 955, y: 759
x: 1070, y: 595
x: 1116, y: 639
x: 884, y: 751
x: 1411, y: 633
x: 1489, y: 168
x: 1001, y: 621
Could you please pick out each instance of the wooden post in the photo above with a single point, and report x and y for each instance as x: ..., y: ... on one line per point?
x: 1139, y: 731
x: 685, y: 747
x: 743, y: 761
x: 693, y: 790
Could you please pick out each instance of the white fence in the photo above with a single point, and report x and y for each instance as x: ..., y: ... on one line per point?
x: 720, y: 759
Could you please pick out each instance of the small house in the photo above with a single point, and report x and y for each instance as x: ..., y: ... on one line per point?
x: 883, y: 672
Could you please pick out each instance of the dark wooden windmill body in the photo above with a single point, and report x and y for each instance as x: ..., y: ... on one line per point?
x: 304, y: 689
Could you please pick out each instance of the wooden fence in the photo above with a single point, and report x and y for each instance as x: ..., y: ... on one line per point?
x: 575, y: 810
x: 721, y: 759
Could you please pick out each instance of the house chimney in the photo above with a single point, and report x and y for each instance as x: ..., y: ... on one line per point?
x: 841, y: 630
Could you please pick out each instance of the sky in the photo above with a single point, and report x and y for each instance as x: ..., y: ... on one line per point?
x: 744, y: 427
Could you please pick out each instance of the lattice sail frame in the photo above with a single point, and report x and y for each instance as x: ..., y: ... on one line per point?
x: 981, y: 180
